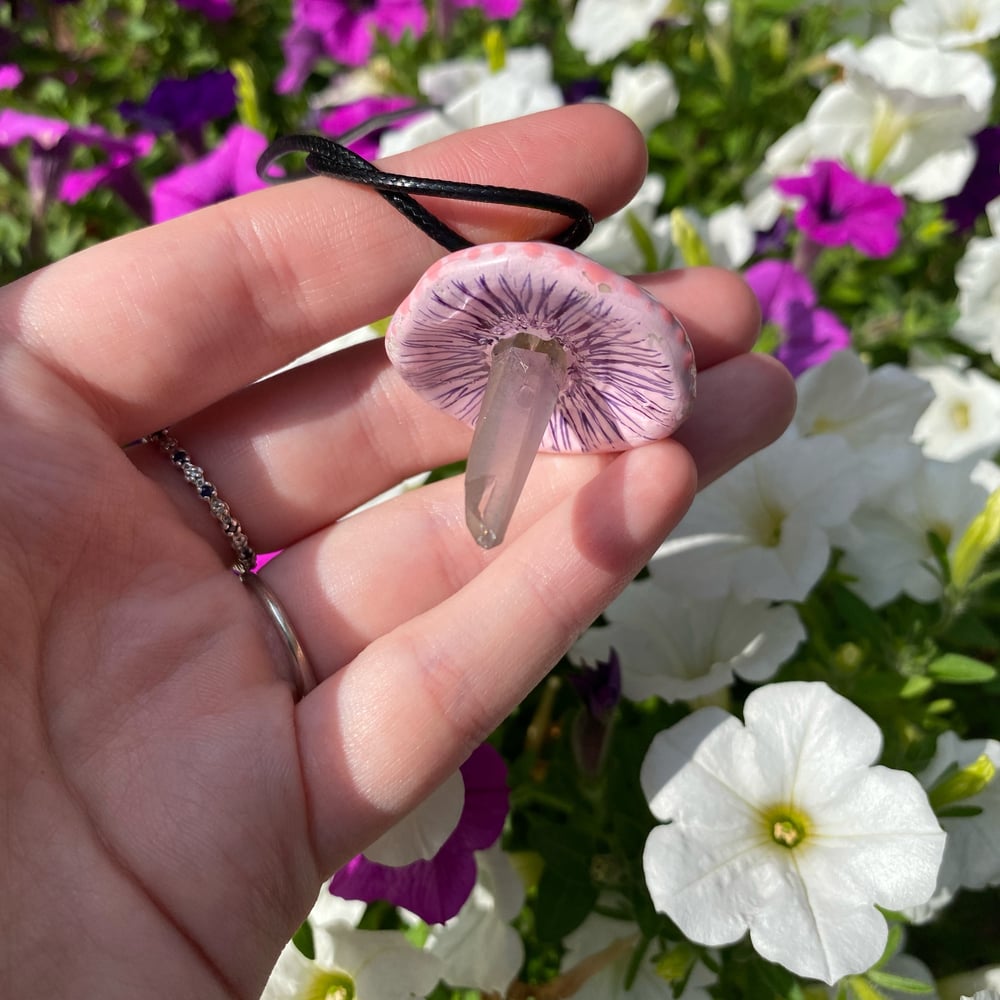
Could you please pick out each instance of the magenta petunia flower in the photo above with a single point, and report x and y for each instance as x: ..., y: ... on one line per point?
x: 341, y: 120
x: 436, y: 889
x: 839, y: 209
x: 53, y: 142
x: 345, y: 31
x: 228, y: 170
x: 809, y: 334
x: 10, y: 76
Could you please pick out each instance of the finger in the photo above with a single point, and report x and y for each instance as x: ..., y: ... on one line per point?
x: 407, y: 711
x: 157, y: 325
x: 717, y: 308
x: 742, y: 406
x: 421, y: 537
x: 287, y: 449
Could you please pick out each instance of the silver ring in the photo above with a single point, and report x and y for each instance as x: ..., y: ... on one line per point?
x: 301, y: 677
x: 246, y: 558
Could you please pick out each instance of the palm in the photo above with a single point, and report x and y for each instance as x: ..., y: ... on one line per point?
x: 173, y: 810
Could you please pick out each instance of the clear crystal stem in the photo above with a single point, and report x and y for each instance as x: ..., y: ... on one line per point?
x: 524, y: 384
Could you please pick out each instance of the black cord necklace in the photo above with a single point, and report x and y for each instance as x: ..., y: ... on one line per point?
x: 329, y: 158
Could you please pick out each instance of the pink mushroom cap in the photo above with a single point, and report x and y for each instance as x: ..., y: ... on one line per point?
x: 630, y: 371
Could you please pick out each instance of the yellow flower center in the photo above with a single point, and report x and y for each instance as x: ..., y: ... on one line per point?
x: 968, y: 17
x: 786, y: 826
x: 889, y: 126
x: 960, y: 416
x: 329, y: 986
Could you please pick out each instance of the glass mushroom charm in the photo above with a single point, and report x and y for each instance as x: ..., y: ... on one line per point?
x: 538, y: 347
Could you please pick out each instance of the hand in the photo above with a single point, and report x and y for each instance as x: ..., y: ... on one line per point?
x: 171, y: 810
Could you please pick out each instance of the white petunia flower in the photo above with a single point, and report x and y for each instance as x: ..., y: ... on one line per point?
x: 614, y: 243
x: 986, y: 474
x: 902, y: 115
x: 478, y: 948
x: 601, y: 29
x: 329, y: 910
x: 964, y: 418
x: 844, y: 396
x: 608, y: 945
x: 762, y: 530
x: 875, y: 412
x: 972, y: 854
x: 726, y: 238
x: 783, y: 827
x: 885, y: 543
x: 675, y: 647
x: 947, y: 24
x: 646, y: 93
x: 376, y: 965
x: 977, y: 275
x: 474, y: 96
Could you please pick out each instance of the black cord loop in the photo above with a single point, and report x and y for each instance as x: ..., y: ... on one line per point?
x: 331, y: 159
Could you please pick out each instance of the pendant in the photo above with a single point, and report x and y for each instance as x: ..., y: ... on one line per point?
x: 539, y: 348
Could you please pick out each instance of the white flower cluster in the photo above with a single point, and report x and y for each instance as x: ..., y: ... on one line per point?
x: 783, y: 827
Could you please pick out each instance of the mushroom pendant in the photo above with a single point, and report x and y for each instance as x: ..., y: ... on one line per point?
x: 539, y: 347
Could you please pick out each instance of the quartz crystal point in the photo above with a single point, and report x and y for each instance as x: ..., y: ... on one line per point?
x: 521, y: 393
x: 539, y: 348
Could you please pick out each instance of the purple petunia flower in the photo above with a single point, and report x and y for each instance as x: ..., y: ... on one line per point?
x: 184, y: 106
x: 788, y: 300
x: 345, y: 31
x: 214, y: 10
x: 839, y: 208
x: 228, y: 170
x: 600, y: 687
x: 982, y: 184
x: 436, y: 889
x: 53, y: 142
x: 10, y: 76
x: 341, y: 120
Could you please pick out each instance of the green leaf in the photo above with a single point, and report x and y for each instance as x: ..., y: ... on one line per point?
x: 562, y: 903
x: 643, y: 241
x: 303, y: 940
x: 863, y: 989
x: 959, y: 812
x: 954, y: 668
x: 901, y: 984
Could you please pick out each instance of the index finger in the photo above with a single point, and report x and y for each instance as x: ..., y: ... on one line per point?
x: 154, y: 326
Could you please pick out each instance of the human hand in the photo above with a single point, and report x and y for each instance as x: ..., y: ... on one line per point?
x: 171, y: 809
